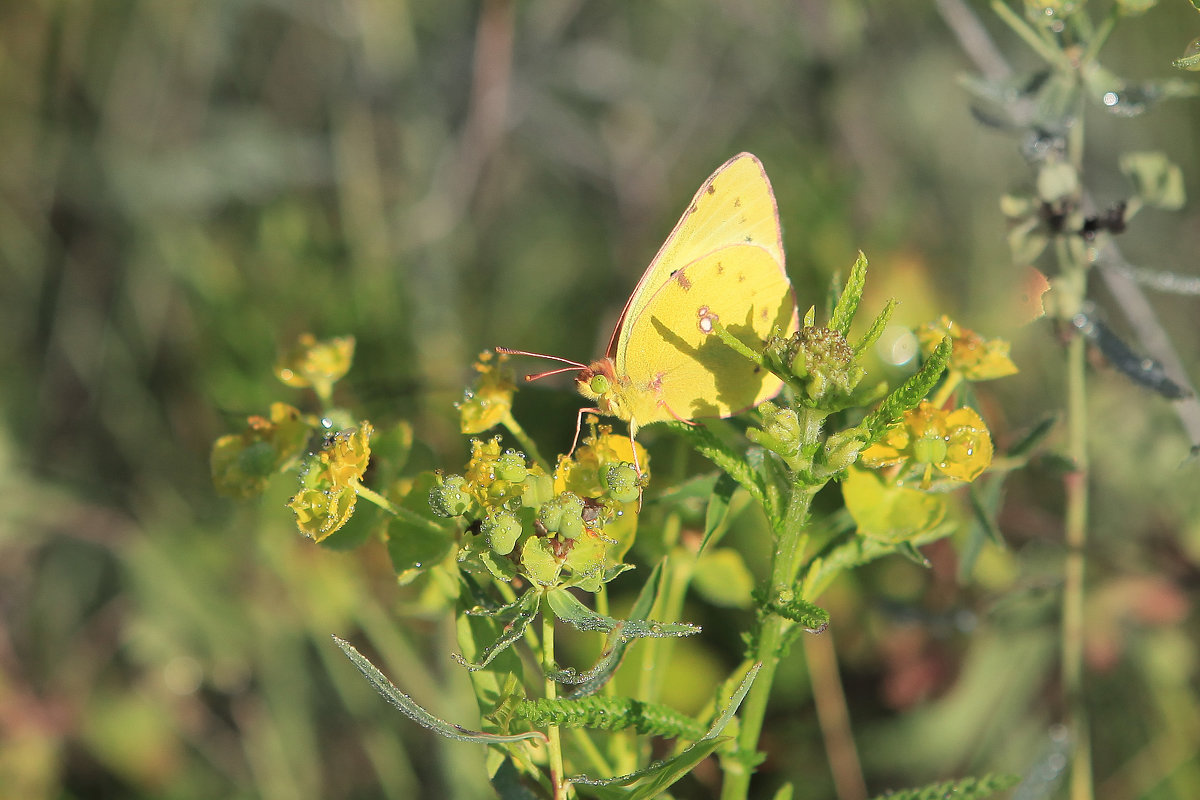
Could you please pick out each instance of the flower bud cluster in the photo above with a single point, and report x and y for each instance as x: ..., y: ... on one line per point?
x: 821, y: 359
x: 530, y: 522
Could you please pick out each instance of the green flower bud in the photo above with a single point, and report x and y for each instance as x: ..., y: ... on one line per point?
x: 621, y: 482
x: 511, y: 467
x: 539, y: 489
x: 502, y: 531
x: 448, y: 498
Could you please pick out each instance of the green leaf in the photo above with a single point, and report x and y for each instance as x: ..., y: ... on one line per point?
x: 890, y: 513
x: 1155, y: 179
x: 507, y: 782
x: 718, y: 506
x: 809, y: 616
x: 418, y: 538
x: 570, y: 610
x: 722, y: 578
x: 539, y: 562
x: 615, y: 646
x: 910, y: 393
x: 657, y: 778
x: 526, y: 610
x: 847, y: 304
x: 610, y: 714
x: 964, y: 789
x: 877, y: 328
x: 416, y: 713
x: 1190, y: 60
x: 729, y: 461
x: 1029, y: 442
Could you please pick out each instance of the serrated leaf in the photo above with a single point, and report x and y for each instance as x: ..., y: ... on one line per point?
x: 662, y: 775
x: 878, y: 326
x: 909, y: 394
x: 809, y: 616
x: 847, y: 303
x: 964, y: 789
x: 417, y: 713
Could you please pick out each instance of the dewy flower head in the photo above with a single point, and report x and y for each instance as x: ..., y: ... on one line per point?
x: 489, y: 402
x: 928, y: 441
x: 329, y: 482
x: 975, y: 358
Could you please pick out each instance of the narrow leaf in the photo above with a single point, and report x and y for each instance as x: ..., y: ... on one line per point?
x: 877, y: 328
x: 910, y: 393
x: 569, y: 609
x: 847, y: 304
x: 512, y: 631
x: 416, y: 713
x: 595, y: 678
x: 663, y: 774
x: 718, y: 506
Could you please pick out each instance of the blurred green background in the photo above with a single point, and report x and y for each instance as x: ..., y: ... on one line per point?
x: 186, y: 185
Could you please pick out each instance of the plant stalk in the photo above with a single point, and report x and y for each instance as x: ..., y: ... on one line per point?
x: 792, y: 537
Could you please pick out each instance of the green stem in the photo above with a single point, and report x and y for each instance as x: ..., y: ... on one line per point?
x: 410, y: 517
x: 1076, y: 485
x: 1036, y: 42
x: 551, y: 693
x: 526, y: 442
x: 792, y: 539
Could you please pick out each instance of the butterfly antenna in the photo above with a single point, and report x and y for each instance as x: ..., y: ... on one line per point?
x: 572, y: 365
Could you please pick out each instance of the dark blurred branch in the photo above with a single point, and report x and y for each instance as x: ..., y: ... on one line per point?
x: 1114, y: 269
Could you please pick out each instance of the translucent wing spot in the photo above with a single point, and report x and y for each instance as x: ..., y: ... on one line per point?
x: 705, y: 319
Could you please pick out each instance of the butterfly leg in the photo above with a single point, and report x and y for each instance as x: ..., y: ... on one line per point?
x: 579, y: 427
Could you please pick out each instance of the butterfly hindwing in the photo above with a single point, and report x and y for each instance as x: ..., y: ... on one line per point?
x: 676, y: 366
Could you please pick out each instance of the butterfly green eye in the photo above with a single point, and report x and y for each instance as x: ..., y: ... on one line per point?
x: 599, y: 384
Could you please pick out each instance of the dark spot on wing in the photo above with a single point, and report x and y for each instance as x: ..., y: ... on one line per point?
x: 712, y: 188
x: 720, y: 268
x: 682, y: 279
x: 693, y: 209
x: 737, y: 202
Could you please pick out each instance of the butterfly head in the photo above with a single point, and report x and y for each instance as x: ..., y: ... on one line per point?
x: 599, y: 383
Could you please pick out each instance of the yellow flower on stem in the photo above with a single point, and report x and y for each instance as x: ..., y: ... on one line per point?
x: 319, y: 364
x: 974, y: 358
x: 489, y: 402
x: 930, y: 441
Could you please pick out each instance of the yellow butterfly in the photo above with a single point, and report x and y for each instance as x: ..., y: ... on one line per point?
x: 723, y: 262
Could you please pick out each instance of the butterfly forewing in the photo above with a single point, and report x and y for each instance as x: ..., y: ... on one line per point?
x: 735, y: 206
